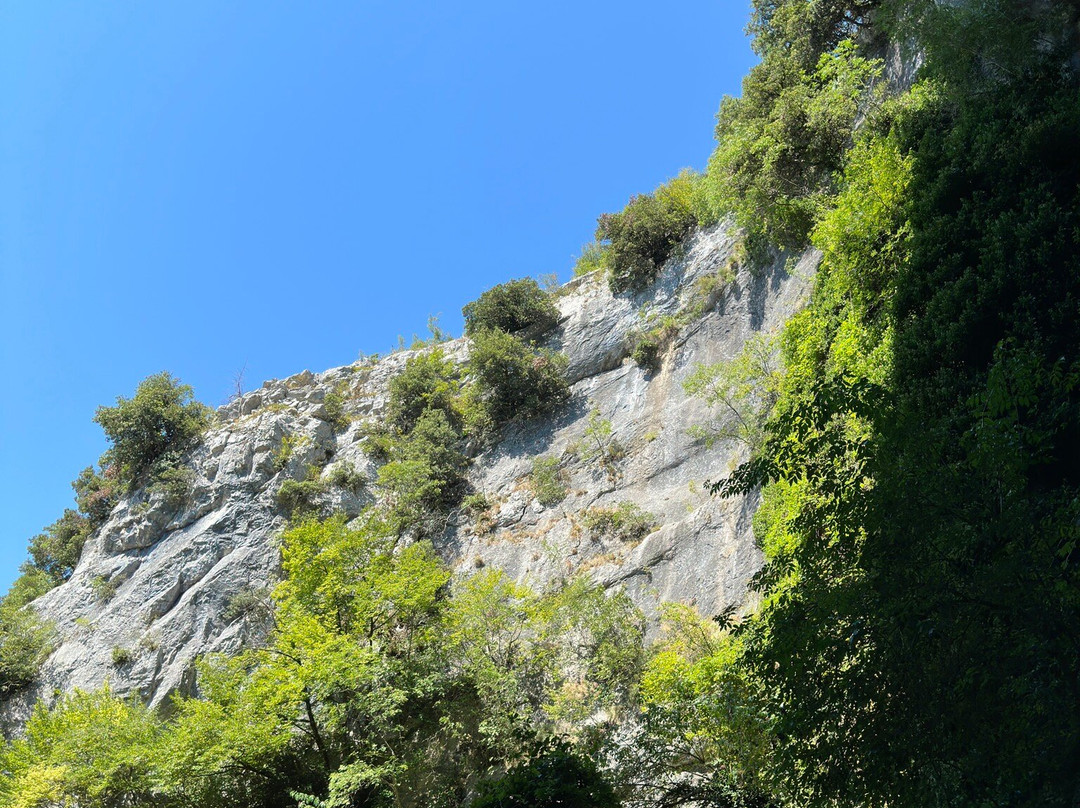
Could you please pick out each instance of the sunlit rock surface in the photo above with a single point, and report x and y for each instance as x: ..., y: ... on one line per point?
x: 158, y: 578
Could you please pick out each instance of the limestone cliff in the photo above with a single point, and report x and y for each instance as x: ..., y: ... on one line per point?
x: 157, y: 579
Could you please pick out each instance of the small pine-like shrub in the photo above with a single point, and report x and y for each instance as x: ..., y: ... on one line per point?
x: 547, y: 480
x: 121, y: 657
x: 646, y: 353
x: 299, y: 498
x: 346, y: 476
x: 480, y: 507
x: 334, y: 407
x: 625, y: 522
x: 512, y: 307
x: 104, y: 589
x: 475, y: 503
x: 515, y: 380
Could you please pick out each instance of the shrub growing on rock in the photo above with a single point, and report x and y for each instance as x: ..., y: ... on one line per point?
x: 598, y: 443
x: 514, y: 379
x: 300, y: 497
x: 31, y: 584
x: 26, y: 639
x: 512, y: 307
x: 152, y: 428
x: 625, y: 522
x: 56, y: 551
x: 424, y: 476
x: 548, y: 480
x: 646, y: 232
x: 96, y: 493
x: 334, y: 408
x: 347, y: 477
x: 429, y: 381
x: 649, y: 346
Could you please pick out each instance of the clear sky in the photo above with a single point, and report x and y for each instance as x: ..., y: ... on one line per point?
x: 205, y: 187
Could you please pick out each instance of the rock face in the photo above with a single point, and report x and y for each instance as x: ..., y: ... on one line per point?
x: 158, y: 584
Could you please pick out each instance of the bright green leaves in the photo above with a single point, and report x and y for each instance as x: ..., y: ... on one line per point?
x: 741, y: 392
x: 352, y: 581
x: 26, y: 638
x: 704, y: 734
x: 779, y: 145
x: 919, y: 519
x: 380, y: 684
x: 566, y: 655
x: 92, y: 749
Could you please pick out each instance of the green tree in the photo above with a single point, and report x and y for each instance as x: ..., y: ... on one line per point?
x: 514, y: 307
x: 780, y: 144
x: 429, y: 381
x: 919, y: 514
x: 703, y: 736
x: 647, y: 231
x: 96, y: 493
x: 424, y: 476
x: 90, y: 750
x: 514, y: 380
x: 554, y: 776
x: 57, y: 550
x: 154, y: 427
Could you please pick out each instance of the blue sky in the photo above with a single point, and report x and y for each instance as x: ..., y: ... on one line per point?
x: 271, y: 186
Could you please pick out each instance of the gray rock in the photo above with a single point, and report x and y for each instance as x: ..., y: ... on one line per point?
x: 158, y: 577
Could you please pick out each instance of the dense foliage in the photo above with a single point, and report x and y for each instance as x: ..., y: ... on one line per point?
x: 149, y: 433
x: 514, y: 379
x: 381, y: 685
x: 429, y: 381
x: 150, y: 430
x: 915, y: 433
x: 554, y: 777
x: 642, y: 236
x: 512, y: 307
x: 916, y: 641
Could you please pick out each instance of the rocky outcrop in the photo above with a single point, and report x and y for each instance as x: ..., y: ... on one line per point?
x: 167, y: 579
